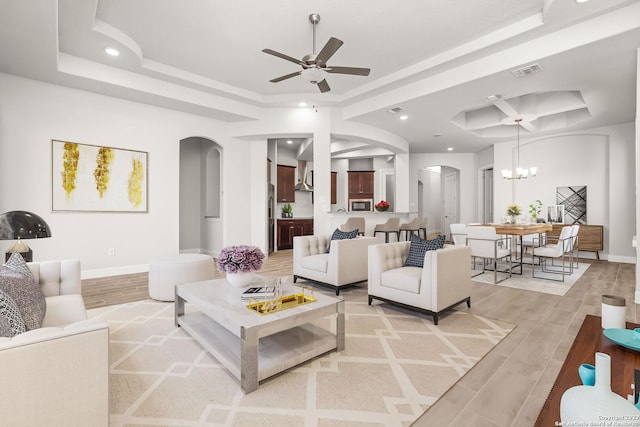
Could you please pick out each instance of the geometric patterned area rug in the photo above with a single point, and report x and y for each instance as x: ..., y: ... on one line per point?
x: 395, y: 365
x: 548, y: 284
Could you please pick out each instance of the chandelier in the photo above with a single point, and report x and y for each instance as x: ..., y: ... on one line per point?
x: 521, y: 173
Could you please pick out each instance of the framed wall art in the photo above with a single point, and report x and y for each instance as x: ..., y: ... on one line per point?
x: 574, y: 200
x: 555, y: 214
x: 97, y: 179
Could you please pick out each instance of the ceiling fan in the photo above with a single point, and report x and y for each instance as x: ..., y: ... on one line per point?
x: 314, y: 66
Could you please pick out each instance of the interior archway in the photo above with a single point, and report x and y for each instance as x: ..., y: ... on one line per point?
x: 200, y: 195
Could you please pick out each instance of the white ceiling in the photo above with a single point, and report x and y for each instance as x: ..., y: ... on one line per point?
x: 436, y: 59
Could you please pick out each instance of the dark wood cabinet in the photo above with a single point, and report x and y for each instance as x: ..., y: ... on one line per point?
x: 334, y: 188
x: 288, y: 228
x: 286, y: 178
x: 360, y: 184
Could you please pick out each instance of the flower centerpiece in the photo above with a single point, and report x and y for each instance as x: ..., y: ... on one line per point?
x: 513, y: 211
x: 382, y: 206
x: 240, y: 263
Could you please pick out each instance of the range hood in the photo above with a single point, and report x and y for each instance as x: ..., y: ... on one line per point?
x: 302, y: 184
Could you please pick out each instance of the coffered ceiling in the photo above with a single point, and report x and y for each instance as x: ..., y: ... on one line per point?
x: 446, y: 64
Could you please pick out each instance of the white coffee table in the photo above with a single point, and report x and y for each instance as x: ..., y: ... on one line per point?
x: 254, y: 346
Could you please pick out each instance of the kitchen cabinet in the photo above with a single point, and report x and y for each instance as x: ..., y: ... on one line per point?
x: 286, y: 179
x: 360, y: 184
x: 334, y: 188
x: 288, y: 228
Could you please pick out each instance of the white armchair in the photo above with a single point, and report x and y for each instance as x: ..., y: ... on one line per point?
x: 345, y: 264
x: 443, y: 282
x: 58, y: 374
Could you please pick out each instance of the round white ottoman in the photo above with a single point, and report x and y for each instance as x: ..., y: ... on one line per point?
x: 167, y: 271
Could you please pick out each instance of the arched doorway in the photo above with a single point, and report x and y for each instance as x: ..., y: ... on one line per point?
x: 200, y: 196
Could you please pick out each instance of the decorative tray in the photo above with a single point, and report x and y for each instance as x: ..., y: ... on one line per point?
x: 629, y: 338
x: 288, y: 301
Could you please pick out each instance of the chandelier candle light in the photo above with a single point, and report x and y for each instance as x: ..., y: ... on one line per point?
x: 521, y: 173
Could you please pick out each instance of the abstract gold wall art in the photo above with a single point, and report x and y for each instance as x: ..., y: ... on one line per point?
x: 97, y: 178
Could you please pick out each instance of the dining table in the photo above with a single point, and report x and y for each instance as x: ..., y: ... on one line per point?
x: 519, y: 230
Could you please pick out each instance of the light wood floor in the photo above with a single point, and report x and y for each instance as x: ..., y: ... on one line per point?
x: 509, y: 386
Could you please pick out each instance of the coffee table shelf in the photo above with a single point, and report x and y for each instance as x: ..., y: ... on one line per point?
x: 250, y: 346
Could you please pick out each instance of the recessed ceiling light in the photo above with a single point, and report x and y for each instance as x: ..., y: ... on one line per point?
x: 581, y: 1
x: 450, y: 149
x: 289, y: 141
x: 112, y: 51
x: 437, y: 134
x: 302, y: 104
x: 404, y: 117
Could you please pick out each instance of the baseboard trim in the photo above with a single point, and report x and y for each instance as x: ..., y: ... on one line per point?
x: 622, y: 259
x: 114, y: 271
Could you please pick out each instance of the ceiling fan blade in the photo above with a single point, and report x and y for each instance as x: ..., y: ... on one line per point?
x: 328, y: 50
x: 288, y: 76
x: 283, y: 56
x: 324, y: 86
x: 348, y: 70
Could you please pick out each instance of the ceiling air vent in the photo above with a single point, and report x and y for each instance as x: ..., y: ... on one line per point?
x: 395, y: 110
x: 527, y: 71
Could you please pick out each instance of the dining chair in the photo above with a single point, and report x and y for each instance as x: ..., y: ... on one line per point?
x: 354, y: 223
x: 485, y: 243
x: 423, y: 228
x: 558, y: 251
x: 458, y: 234
x: 575, y: 246
x: 391, y: 226
x: 411, y: 227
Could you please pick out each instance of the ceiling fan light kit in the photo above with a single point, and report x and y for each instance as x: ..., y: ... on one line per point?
x: 314, y: 66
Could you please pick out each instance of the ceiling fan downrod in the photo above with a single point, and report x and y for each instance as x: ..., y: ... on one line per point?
x: 314, y: 18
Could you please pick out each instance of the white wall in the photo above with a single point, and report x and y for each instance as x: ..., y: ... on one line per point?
x: 32, y: 113
x: 601, y: 159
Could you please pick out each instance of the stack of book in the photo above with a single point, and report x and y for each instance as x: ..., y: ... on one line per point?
x: 259, y: 292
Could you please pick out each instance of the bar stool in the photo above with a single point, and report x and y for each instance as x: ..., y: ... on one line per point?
x: 411, y: 227
x: 391, y: 226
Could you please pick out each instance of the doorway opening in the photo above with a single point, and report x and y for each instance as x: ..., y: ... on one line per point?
x: 438, y: 197
x: 200, y: 196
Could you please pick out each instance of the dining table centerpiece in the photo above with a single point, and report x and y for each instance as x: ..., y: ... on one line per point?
x: 382, y: 206
x: 513, y: 211
x: 240, y: 263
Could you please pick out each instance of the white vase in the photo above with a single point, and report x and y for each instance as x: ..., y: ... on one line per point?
x: 582, y: 405
x: 240, y: 279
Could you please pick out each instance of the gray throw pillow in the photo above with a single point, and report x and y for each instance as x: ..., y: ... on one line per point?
x: 342, y: 235
x: 11, y: 322
x: 27, y: 295
x: 18, y: 264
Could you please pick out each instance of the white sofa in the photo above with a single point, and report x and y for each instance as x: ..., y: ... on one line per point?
x: 345, y: 264
x: 443, y: 282
x: 57, y: 375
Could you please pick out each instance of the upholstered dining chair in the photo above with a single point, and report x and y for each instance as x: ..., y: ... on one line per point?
x: 458, y: 234
x: 391, y: 226
x: 411, y: 227
x: 485, y: 243
x: 575, y: 247
x: 559, y: 251
x: 423, y: 228
x: 354, y: 223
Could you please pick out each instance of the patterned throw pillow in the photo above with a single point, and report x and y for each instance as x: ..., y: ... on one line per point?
x: 11, y: 322
x: 341, y: 235
x: 27, y: 295
x: 18, y: 264
x: 419, y: 247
